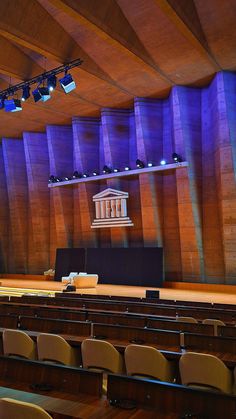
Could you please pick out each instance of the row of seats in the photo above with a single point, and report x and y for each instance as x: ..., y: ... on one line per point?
x: 196, y: 369
x: 212, y: 322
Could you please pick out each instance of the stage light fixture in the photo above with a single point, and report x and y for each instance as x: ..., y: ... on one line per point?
x: 41, y: 94
x: 177, y: 158
x: 52, y: 179
x: 66, y: 178
x: 85, y: 175
x: 95, y: 173
x: 127, y: 168
x: 58, y: 179
x: 163, y: 162
x: 106, y: 169
x: 140, y: 164
x: 12, y: 105
x: 51, y: 82
x: 150, y: 164
x: 76, y: 175
x: 115, y: 170
x: 25, y: 93
x: 67, y: 83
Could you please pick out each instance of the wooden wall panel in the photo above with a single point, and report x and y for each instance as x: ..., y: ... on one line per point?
x: 149, y: 125
x: 211, y: 229
x: 37, y: 167
x: 189, y: 211
x: 115, y: 131
x: 225, y: 169
x: 4, y: 217
x: 86, y: 134
x: 16, y: 178
x: 171, y: 234
x: 186, y: 109
x: 60, y: 147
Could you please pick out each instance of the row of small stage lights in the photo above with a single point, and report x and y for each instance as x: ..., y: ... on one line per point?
x: 107, y: 170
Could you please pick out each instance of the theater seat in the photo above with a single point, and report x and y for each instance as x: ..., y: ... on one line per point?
x: 15, y: 409
x: 101, y: 355
x: 205, y: 371
x: 54, y: 348
x: 145, y: 361
x: 17, y: 342
x: 215, y: 323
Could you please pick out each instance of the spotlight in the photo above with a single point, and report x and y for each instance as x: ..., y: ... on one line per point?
x: 66, y: 178
x: 163, y: 162
x: 85, y: 175
x: 67, y: 83
x: 95, y: 173
x: 177, y: 158
x: 58, y: 179
x: 140, y: 164
x: 106, y: 169
x: 25, y: 93
x: 41, y: 94
x: 150, y: 164
x: 12, y: 105
x: 115, y: 170
x: 52, y: 179
x: 76, y: 175
x: 51, y: 83
x: 127, y: 168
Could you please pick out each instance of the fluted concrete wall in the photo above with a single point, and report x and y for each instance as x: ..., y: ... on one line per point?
x: 189, y: 211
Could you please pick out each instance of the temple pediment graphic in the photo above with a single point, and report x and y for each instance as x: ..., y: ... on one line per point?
x: 111, y: 209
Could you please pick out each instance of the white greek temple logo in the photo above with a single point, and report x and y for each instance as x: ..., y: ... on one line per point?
x: 111, y: 209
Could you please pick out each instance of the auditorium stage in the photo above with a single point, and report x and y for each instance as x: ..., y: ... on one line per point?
x: 178, y: 291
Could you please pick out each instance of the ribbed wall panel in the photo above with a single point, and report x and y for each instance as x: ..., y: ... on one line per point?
x: 189, y: 211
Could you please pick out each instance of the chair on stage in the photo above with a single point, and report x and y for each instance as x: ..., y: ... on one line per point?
x: 184, y: 319
x: 146, y: 361
x: 16, y: 409
x: 205, y: 371
x: 54, y: 348
x: 215, y: 323
x: 18, y: 343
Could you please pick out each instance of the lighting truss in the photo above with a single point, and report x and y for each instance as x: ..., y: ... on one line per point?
x: 40, y: 78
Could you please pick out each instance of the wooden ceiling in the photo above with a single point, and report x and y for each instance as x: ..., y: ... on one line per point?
x: 129, y: 48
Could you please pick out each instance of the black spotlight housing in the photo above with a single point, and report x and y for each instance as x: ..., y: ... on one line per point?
x: 25, y: 93
x: 106, y: 169
x: 116, y: 170
x: 140, y: 164
x: 41, y: 94
x: 51, y: 82
x: 177, y: 158
x: 95, y: 173
x: 127, y: 168
x: 67, y: 83
x: 52, y: 179
x: 76, y: 175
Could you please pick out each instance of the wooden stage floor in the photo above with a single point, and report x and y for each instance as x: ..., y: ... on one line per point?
x: 187, y: 292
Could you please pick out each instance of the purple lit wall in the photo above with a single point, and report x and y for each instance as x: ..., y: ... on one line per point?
x: 189, y: 211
